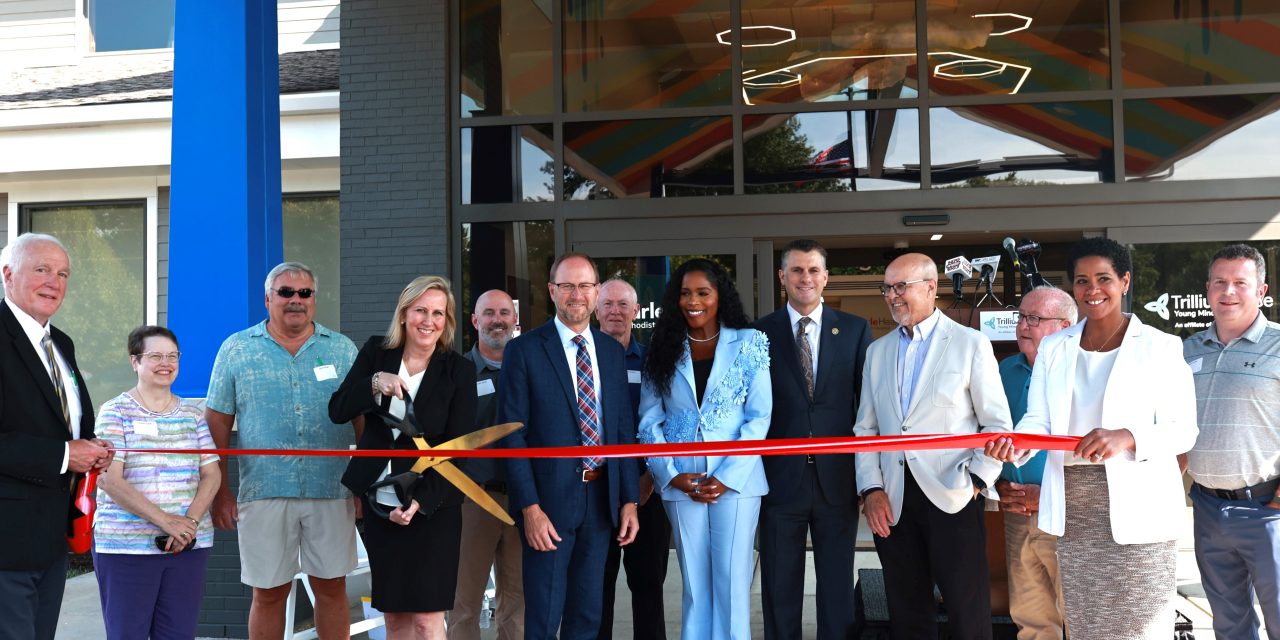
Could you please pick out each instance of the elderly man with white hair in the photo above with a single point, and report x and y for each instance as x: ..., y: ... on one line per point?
x: 46, y: 436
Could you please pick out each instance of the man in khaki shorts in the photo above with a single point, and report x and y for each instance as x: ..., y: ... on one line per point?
x: 276, y: 378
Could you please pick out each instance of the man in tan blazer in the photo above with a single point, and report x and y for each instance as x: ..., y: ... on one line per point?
x: 929, y: 376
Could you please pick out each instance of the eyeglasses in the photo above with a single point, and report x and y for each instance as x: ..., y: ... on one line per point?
x: 155, y: 357
x: 1032, y: 320
x: 287, y: 292
x: 567, y: 288
x: 899, y: 288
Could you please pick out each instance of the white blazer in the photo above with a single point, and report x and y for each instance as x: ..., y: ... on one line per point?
x: 958, y: 391
x: 1150, y: 393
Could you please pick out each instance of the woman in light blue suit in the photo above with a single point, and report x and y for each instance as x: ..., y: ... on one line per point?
x: 707, y: 380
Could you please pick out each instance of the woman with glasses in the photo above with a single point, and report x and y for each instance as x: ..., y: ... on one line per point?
x: 413, y: 547
x: 706, y: 379
x: 152, y: 533
x: 1124, y: 388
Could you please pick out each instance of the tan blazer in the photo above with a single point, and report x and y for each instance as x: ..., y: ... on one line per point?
x: 958, y: 391
x: 1150, y: 393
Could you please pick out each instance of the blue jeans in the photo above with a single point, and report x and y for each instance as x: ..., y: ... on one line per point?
x: 1238, y: 552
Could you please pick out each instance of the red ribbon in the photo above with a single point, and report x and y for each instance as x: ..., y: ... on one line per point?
x: 778, y: 447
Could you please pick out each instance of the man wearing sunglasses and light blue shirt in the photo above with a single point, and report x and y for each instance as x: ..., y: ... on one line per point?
x: 276, y: 378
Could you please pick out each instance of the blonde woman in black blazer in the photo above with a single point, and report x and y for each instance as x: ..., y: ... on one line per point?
x: 413, y: 554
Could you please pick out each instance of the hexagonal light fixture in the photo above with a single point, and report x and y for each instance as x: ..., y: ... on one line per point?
x: 785, y: 35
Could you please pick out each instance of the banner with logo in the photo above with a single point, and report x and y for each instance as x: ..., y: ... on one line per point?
x: 1169, y: 284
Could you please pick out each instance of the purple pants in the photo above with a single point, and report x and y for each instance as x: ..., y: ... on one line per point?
x: 155, y: 596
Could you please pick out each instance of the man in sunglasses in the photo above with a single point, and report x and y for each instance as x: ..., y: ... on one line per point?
x: 1035, y: 592
x: 275, y: 378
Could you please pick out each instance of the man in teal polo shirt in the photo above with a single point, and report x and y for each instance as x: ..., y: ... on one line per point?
x: 275, y: 379
x: 1035, y: 592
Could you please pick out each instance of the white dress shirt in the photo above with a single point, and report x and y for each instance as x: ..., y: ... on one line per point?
x: 36, y: 333
x: 387, y: 495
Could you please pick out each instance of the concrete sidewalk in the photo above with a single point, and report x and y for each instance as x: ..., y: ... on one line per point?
x: 82, y: 615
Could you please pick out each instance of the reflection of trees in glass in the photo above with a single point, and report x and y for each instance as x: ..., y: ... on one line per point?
x: 1011, y: 180
x: 105, y: 298
x: 574, y: 181
x: 536, y: 254
x: 784, y: 150
x: 311, y: 236
x: 1180, y: 269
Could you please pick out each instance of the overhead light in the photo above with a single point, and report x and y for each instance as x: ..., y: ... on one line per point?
x: 936, y: 236
x: 784, y: 36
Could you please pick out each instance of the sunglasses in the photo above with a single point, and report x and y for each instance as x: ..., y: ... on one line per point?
x: 287, y: 292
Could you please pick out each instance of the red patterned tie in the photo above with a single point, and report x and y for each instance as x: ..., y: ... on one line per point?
x: 588, y: 407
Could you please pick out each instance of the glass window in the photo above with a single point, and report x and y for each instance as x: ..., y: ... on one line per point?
x: 649, y: 275
x: 106, y: 297
x: 1192, y: 44
x: 648, y: 158
x: 514, y: 257
x: 1202, y: 138
x: 312, y: 237
x: 126, y: 25
x: 983, y: 47
x: 837, y: 151
x: 1021, y: 144
x: 504, y: 53
x: 498, y: 168
x: 827, y: 50
x: 1169, y: 283
x: 644, y: 54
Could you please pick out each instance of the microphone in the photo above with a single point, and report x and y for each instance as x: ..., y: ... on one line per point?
x: 1029, y: 250
x: 1010, y: 247
x: 958, y: 269
x: 988, y: 266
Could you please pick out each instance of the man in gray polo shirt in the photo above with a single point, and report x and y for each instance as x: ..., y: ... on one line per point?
x: 1236, y: 460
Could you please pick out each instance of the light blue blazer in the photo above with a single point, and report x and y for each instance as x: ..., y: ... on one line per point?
x: 736, y: 405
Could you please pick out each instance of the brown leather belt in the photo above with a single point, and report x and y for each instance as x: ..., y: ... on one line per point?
x: 591, y: 475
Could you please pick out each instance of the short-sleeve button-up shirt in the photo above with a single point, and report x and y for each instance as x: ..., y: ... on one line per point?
x: 281, y: 401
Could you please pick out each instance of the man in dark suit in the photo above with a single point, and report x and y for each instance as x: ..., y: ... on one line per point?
x: 567, y: 383
x: 819, y: 352
x: 46, y: 436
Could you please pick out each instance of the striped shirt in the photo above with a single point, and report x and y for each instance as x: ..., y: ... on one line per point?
x: 168, y: 481
x: 1238, y: 401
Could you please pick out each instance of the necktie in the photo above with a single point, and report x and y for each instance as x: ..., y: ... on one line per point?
x: 806, y: 354
x: 55, y: 372
x: 588, y: 407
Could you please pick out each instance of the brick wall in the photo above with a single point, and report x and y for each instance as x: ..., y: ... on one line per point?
x: 224, y: 613
x: 395, y: 124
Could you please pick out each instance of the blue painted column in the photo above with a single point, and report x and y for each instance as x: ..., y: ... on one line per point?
x: 225, y: 229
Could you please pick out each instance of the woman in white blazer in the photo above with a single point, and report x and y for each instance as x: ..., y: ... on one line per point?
x: 706, y: 379
x: 1116, y: 501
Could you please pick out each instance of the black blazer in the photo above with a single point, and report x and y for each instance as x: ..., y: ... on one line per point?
x: 35, y: 500
x: 842, y: 349
x: 445, y: 407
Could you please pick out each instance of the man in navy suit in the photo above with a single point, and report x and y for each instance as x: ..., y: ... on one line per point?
x: 567, y: 383
x: 819, y: 352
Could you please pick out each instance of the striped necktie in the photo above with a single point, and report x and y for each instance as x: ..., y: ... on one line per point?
x: 588, y: 407
x: 55, y: 372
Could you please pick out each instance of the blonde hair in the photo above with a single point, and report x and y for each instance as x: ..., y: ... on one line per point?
x: 413, y: 291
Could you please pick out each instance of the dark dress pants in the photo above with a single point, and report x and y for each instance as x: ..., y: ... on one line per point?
x: 929, y: 546
x: 562, y: 594
x: 833, y: 529
x: 31, y: 600
x: 646, y: 562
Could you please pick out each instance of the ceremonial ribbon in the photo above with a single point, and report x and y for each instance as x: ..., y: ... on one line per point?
x: 774, y: 447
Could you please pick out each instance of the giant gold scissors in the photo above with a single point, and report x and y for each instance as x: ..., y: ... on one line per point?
x: 404, y: 483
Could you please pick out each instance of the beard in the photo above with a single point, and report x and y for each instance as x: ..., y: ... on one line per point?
x: 496, y: 337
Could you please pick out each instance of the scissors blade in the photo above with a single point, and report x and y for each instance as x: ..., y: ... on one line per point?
x: 472, y: 490
x: 481, y: 437
x: 473, y: 440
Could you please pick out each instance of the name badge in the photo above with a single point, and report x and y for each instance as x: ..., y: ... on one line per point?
x: 1196, y: 365
x: 326, y: 372
x: 633, y: 376
x: 146, y: 428
x: 484, y: 387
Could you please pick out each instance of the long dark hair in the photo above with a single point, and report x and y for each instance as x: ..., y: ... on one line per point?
x: 666, y: 345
